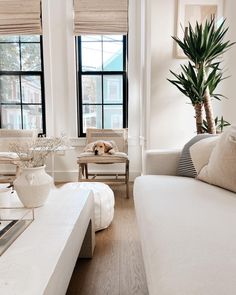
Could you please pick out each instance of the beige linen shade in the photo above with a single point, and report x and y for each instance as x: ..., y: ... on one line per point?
x: 20, y: 17
x: 100, y: 17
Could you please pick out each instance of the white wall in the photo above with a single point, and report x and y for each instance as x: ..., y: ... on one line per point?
x: 171, y: 116
x: 60, y: 84
x: 228, y: 106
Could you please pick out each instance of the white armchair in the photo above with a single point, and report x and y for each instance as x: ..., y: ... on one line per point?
x: 120, y: 137
x: 8, y: 159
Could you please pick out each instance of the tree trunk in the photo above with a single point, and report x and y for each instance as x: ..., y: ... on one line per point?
x: 211, y: 127
x: 198, y: 116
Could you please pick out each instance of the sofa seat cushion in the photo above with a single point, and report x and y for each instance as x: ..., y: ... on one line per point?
x: 187, y: 229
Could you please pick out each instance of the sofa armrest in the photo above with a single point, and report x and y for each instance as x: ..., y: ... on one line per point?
x: 162, y: 162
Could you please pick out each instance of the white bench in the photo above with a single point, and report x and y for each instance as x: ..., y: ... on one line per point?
x: 41, y: 260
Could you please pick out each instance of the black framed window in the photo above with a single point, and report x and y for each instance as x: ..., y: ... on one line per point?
x: 102, y: 82
x: 22, y: 102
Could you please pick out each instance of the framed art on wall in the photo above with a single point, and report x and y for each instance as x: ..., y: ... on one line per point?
x: 190, y: 11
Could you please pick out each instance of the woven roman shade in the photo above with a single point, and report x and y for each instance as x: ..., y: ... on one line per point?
x: 20, y: 17
x: 100, y: 17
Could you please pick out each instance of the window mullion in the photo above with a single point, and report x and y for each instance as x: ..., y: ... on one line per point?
x: 125, y: 82
x: 102, y: 104
x: 79, y: 94
x: 42, y: 87
x: 21, y: 106
x: 20, y: 53
x: 102, y: 87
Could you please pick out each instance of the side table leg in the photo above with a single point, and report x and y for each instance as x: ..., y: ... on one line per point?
x: 86, y: 170
x: 88, y: 243
x: 80, y: 172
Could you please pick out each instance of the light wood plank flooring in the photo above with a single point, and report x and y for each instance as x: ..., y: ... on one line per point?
x: 117, y: 266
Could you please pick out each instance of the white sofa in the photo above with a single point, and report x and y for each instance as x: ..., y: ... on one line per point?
x: 187, y: 229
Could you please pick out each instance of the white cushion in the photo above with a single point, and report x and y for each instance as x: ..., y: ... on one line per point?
x: 8, y: 155
x: 221, y: 169
x: 105, y: 156
x: 103, y: 199
x: 200, y: 152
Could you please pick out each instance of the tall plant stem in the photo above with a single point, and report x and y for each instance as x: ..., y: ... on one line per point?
x: 209, y: 112
x: 199, y: 117
x: 211, y: 127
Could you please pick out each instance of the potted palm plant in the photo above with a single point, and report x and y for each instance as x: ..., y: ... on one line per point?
x: 203, y: 46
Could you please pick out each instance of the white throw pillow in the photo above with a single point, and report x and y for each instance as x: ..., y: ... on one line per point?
x: 200, y: 152
x: 221, y: 169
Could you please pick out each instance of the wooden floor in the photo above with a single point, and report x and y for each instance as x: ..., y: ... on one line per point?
x: 117, y: 266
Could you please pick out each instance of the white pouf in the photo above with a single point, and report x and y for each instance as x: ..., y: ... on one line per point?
x: 103, y: 199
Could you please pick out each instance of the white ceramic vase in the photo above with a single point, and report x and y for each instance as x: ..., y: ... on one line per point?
x: 33, y: 186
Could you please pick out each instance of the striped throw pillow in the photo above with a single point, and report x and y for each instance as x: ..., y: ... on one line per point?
x: 186, y: 166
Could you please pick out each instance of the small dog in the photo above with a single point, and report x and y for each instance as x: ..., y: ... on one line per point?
x: 102, y: 147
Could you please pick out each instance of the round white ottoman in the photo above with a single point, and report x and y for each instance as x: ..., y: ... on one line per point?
x: 103, y: 199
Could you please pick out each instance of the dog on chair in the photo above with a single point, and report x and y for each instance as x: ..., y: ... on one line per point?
x: 102, y: 147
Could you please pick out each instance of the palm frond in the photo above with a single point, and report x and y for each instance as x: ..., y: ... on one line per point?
x: 205, y: 42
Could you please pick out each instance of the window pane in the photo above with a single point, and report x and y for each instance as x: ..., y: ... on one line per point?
x: 30, y: 38
x: 32, y: 117
x: 91, y: 56
x: 21, y: 93
x: 112, y: 56
x: 113, y: 38
x: 102, y: 88
x: 10, y: 89
x: 113, y: 116
x: 11, y: 117
x: 9, y: 38
x: 92, y: 116
x: 113, y: 89
x: 91, y: 89
x: 31, y: 59
x: 9, y: 57
x: 91, y: 38
x: 31, y: 89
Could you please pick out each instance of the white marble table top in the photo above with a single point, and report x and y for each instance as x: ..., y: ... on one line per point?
x: 30, y: 266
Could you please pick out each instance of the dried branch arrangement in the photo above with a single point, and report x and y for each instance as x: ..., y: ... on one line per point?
x: 34, y: 154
